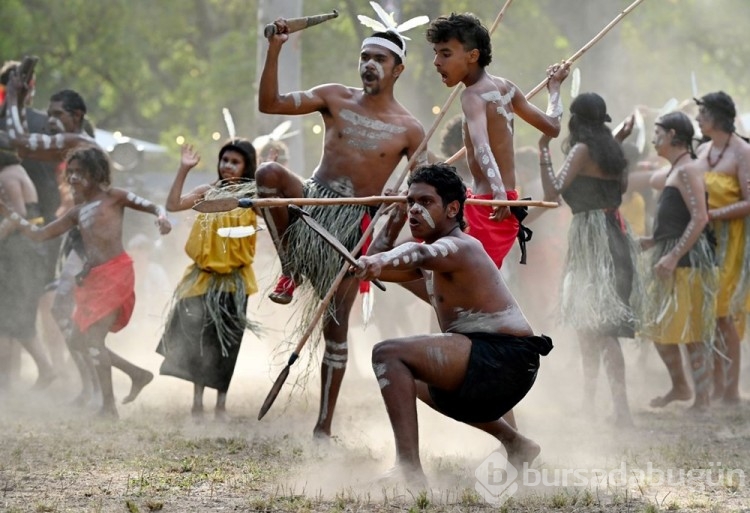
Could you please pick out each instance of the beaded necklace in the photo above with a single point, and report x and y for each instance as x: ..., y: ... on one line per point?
x: 675, y: 161
x: 721, y: 154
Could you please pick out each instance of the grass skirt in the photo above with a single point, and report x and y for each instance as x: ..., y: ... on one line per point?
x: 203, y: 333
x: 599, y: 285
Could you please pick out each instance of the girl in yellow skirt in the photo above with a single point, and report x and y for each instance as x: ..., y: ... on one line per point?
x: 207, y: 321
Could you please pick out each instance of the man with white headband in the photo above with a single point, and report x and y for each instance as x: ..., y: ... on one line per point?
x: 368, y: 133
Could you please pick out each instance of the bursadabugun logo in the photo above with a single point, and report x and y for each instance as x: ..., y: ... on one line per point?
x: 496, y: 478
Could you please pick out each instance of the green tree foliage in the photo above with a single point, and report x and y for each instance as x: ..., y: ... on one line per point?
x: 158, y: 69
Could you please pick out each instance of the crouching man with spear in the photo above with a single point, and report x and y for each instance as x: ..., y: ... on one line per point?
x: 486, y: 358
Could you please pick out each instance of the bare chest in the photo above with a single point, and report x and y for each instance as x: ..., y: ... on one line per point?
x: 361, y: 131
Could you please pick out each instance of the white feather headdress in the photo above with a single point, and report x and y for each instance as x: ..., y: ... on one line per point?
x: 279, y: 133
x: 388, y: 23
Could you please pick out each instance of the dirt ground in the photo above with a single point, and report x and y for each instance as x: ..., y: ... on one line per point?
x: 54, y: 458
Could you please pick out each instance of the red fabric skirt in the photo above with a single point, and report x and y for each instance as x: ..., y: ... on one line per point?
x: 496, y: 237
x: 107, y: 288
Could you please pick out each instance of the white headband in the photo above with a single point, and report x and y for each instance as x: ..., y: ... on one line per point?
x: 385, y: 43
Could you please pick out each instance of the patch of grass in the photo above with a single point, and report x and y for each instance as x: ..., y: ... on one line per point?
x: 469, y: 497
x: 560, y: 500
x: 421, y: 501
x: 154, y: 505
x: 585, y: 498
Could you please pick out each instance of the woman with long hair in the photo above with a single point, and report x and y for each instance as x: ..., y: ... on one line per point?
x: 599, y: 269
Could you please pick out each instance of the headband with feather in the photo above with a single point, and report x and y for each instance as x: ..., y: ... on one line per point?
x: 388, y: 23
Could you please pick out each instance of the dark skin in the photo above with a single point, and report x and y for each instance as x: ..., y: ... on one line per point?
x: 487, y: 129
x: 18, y: 190
x: 66, y: 128
x: 367, y: 134
x: 99, y: 215
x: 463, y: 279
x: 594, y: 346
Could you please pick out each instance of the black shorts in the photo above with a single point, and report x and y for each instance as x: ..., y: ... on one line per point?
x: 501, y: 371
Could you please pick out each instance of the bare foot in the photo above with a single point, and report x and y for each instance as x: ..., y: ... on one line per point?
x: 676, y: 394
x: 43, y: 381
x: 731, y: 399
x: 137, y: 385
x: 108, y: 413
x: 698, y: 409
x: 411, y: 479
x: 522, y: 450
x: 84, y: 399
x: 321, y: 435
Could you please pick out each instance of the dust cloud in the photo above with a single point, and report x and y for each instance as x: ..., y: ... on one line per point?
x: 362, y: 449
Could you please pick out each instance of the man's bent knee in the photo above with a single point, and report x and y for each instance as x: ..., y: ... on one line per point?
x: 385, y: 350
x: 270, y: 174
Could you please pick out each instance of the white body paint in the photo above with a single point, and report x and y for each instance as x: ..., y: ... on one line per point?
x: 509, y: 320
x: 365, y: 133
x: 502, y: 101
x: 554, y: 105
x: 142, y: 202
x: 297, y: 99
x: 331, y: 361
x: 380, y: 370
x: 87, y: 213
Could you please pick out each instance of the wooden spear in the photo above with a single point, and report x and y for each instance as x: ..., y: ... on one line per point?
x: 227, y: 204
x: 276, y: 388
x: 460, y: 153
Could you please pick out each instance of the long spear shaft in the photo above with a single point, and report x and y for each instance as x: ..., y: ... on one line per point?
x: 367, y: 232
x: 460, y: 153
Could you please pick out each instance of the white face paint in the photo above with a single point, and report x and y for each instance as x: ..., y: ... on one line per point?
x: 379, y: 71
x: 659, y: 136
x: 229, y: 166
x: 58, y: 125
x: 416, y: 208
